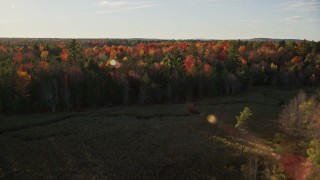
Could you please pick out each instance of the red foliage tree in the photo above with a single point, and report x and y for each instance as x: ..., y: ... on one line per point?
x: 207, y: 68
x: 296, y: 60
x: 64, y: 55
x: 18, y: 56
x: 189, y: 65
x: 3, y: 50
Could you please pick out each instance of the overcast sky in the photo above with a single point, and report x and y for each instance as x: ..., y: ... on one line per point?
x: 166, y: 19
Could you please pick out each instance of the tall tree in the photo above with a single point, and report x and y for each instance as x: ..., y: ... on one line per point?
x: 75, y: 52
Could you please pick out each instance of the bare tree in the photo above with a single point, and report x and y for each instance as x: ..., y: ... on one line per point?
x: 125, y: 92
x: 232, y: 84
x: 291, y: 117
x: 49, y: 93
x: 66, y: 93
x: 250, y: 170
x: 301, y: 116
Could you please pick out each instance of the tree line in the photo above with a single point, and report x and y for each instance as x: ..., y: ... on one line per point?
x: 58, y: 75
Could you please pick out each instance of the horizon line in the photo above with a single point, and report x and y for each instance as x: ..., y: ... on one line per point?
x: 165, y: 39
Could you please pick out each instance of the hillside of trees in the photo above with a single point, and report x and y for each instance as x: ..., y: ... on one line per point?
x: 43, y: 75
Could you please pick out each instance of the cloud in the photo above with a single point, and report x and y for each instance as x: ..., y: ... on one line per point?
x: 214, y: 1
x: 313, y: 20
x: 252, y: 21
x: 301, y: 5
x: 197, y: 2
x: 110, y: 6
x: 293, y: 19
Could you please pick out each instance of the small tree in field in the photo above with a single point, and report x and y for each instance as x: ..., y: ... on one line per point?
x: 242, y: 121
x: 243, y: 118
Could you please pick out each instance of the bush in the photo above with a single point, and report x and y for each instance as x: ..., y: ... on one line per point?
x: 273, y: 171
x: 314, y: 152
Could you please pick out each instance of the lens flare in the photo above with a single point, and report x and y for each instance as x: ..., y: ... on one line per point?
x: 212, y: 119
x: 113, y: 62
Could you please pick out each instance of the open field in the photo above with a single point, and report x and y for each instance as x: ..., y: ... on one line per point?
x: 141, y: 141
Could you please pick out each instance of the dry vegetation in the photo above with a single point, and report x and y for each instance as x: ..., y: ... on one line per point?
x: 146, y: 141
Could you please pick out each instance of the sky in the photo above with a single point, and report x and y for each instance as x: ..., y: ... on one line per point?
x: 165, y: 19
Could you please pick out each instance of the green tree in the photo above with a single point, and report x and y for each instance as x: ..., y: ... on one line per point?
x: 7, y: 72
x: 243, y: 118
x: 75, y: 52
x: 232, y: 62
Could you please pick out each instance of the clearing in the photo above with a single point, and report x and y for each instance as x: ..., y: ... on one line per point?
x: 141, y: 141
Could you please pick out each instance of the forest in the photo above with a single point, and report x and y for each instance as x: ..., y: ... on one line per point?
x: 42, y: 75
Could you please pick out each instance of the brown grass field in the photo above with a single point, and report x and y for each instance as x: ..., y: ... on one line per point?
x: 142, y: 142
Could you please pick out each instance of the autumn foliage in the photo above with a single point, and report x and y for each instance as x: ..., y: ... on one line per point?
x: 90, y: 73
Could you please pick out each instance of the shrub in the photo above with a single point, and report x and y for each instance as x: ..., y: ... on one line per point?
x: 314, y: 152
